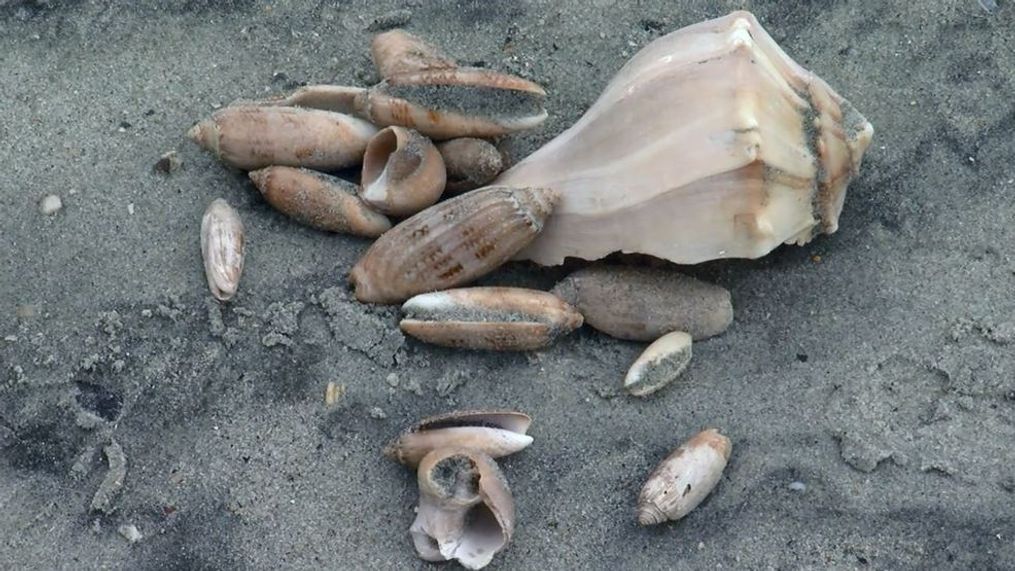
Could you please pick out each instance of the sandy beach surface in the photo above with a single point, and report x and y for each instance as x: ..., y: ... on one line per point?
x: 867, y: 382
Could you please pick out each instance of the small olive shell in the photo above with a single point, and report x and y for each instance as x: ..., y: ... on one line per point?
x: 402, y: 172
x: 470, y: 163
x: 662, y: 362
x: 489, y: 318
x: 494, y: 432
x: 319, y: 201
x: 250, y: 137
x: 684, y: 479
x: 223, y: 247
x: 451, y: 243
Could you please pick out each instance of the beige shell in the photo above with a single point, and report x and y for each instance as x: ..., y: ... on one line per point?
x: 222, y: 247
x: 493, y: 432
x: 451, y: 243
x: 684, y: 479
x: 250, y: 137
x: 489, y: 318
x: 662, y: 362
x: 397, y: 51
x: 336, y: 98
x: 709, y: 143
x: 466, y: 511
x: 402, y: 172
x: 470, y: 163
x: 318, y: 200
x: 643, y: 304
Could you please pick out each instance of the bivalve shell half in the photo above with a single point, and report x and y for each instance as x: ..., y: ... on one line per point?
x: 402, y: 172
x: 489, y: 318
x: 643, y: 304
x: 451, y: 243
x: 458, y: 102
x: 250, y: 137
x: 222, y: 247
x: 466, y: 511
x: 470, y: 163
x: 684, y: 479
x: 397, y: 51
x: 661, y: 363
x: 319, y: 201
x: 493, y: 432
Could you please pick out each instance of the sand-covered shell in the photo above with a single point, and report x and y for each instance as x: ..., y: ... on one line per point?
x: 470, y: 163
x: 662, y: 362
x: 493, y: 432
x: 684, y: 479
x: 709, y: 143
x: 451, y: 243
x: 319, y: 201
x: 466, y: 511
x: 643, y: 304
x: 396, y: 51
x: 223, y: 246
x: 402, y: 172
x: 489, y: 318
x: 250, y: 137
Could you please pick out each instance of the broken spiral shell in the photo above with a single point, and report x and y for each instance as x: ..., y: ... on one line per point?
x: 451, y: 243
x: 466, y: 511
x: 402, y: 172
x: 489, y: 318
x: 684, y: 479
x: 222, y: 247
x: 496, y: 433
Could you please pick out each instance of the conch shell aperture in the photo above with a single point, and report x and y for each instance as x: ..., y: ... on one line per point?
x: 710, y: 143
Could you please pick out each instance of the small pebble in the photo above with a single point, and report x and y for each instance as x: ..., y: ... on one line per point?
x: 797, y: 486
x: 130, y: 533
x: 130, y: 208
x: 377, y: 413
x: 50, y: 205
x: 168, y: 163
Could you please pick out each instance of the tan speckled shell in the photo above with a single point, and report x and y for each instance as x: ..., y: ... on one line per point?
x: 250, y: 137
x: 402, y: 172
x: 470, y: 163
x: 684, y: 479
x: 451, y: 243
x: 489, y: 318
x: 494, y: 432
x: 319, y: 200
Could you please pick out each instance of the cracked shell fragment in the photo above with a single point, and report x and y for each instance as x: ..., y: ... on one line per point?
x: 711, y: 142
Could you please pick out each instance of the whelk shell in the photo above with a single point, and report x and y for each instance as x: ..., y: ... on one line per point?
x: 470, y: 163
x: 490, y: 318
x: 397, y: 51
x: 402, y: 172
x: 466, y: 511
x: 643, y: 304
x: 250, y: 137
x: 659, y: 364
x: 684, y: 479
x: 222, y: 247
x: 319, y: 200
x: 709, y: 143
x: 451, y: 243
x: 494, y: 432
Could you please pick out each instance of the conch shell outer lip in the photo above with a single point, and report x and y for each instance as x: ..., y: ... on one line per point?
x: 684, y: 479
x: 223, y: 246
x: 466, y: 511
x: 496, y: 433
x: 489, y: 318
x: 709, y: 143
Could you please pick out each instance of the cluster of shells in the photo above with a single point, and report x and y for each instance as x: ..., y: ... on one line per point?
x: 710, y: 143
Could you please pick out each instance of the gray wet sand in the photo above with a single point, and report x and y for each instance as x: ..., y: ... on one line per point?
x: 867, y: 382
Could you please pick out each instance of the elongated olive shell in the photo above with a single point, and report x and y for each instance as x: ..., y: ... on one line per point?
x: 402, y: 172
x: 684, y: 479
x: 494, y: 432
x: 318, y: 200
x: 451, y: 103
x: 470, y: 163
x: 250, y: 137
x: 662, y: 362
x: 222, y: 247
x: 397, y: 51
x: 643, y: 304
x: 451, y: 243
x: 489, y: 318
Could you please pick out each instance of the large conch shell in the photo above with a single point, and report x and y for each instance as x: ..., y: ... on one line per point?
x: 466, y: 511
x: 710, y: 143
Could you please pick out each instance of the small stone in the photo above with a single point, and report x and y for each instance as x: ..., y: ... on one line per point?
x: 130, y: 533
x: 392, y: 379
x: 797, y: 486
x: 168, y: 163
x: 377, y: 413
x: 130, y: 208
x: 146, y: 313
x: 50, y: 204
